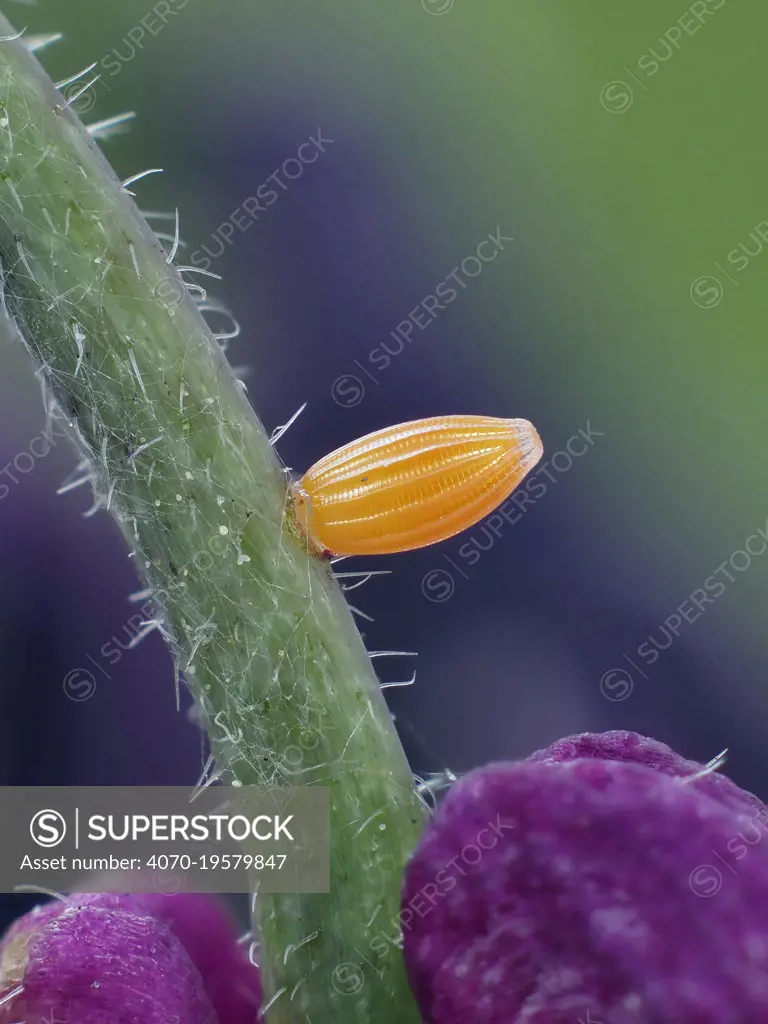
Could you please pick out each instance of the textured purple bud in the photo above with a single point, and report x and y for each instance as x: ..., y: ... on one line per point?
x: 593, y: 883
x: 209, y: 935
x: 92, y: 964
x: 108, y: 959
x: 632, y: 748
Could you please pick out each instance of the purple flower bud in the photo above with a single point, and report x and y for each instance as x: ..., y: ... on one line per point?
x: 104, y: 959
x: 209, y: 935
x: 104, y: 964
x: 632, y: 748
x: 591, y: 883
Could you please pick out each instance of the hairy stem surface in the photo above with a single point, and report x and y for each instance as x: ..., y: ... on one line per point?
x: 258, y: 627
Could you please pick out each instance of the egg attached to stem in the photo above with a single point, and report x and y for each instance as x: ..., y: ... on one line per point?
x: 412, y: 484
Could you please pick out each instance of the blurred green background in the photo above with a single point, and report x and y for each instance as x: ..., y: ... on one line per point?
x: 621, y: 146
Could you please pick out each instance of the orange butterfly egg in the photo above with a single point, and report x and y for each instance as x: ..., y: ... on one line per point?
x: 413, y: 484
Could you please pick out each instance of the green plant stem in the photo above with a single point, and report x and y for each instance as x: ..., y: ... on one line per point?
x: 259, y: 628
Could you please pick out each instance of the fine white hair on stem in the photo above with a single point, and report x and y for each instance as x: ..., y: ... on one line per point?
x: 144, y: 632
x: 356, y: 611
x: 12, y: 38
x: 290, y: 950
x: 403, y: 682
x: 278, y: 432
x: 83, y: 89
x: 39, y: 42
x: 64, y: 82
x: 137, y: 177
x: 192, y: 287
x: 176, y: 236
x: 392, y: 654
x: 203, y: 775
x: 163, y: 236
x: 365, y: 577
x: 134, y: 260
x: 210, y: 780
x: 214, y: 307
x: 77, y: 482
x: 110, y: 126
x: 428, y: 788
x: 198, y: 270
x: 143, y: 447
x: 271, y: 1002
x: 136, y: 373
